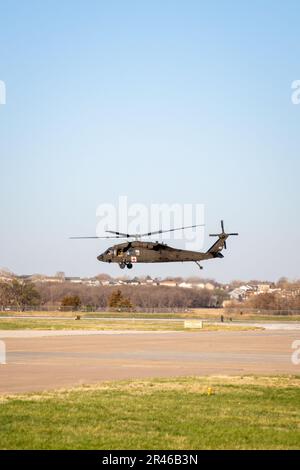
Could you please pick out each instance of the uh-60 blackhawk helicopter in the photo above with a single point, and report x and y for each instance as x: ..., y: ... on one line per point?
x: 137, y: 251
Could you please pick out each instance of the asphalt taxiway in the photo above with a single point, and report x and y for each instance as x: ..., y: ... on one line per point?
x: 44, y: 360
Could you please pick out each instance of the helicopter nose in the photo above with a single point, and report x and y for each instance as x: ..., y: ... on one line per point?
x: 100, y: 258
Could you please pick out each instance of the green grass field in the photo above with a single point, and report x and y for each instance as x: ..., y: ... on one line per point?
x: 240, y: 413
x: 98, y: 324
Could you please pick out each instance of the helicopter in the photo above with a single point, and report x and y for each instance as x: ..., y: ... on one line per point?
x: 137, y: 251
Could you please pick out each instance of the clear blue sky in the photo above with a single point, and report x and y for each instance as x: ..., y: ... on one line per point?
x: 162, y: 101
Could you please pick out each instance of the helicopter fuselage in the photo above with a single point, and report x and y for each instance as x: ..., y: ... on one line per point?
x: 126, y: 254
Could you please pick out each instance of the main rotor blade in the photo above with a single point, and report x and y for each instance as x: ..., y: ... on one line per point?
x: 222, y: 225
x: 123, y: 235
x: 135, y: 235
x: 225, y: 246
x: 164, y: 231
x: 90, y: 238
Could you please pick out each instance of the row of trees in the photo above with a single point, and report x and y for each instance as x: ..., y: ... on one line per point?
x: 139, y: 296
x: 270, y: 302
x: 67, y: 296
x: 19, y: 295
x: 115, y: 301
x: 273, y: 301
x: 24, y: 294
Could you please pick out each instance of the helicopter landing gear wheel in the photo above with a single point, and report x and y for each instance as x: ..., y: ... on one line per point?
x: 129, y: 265
x: 199, y: 265
x: 122, y: 265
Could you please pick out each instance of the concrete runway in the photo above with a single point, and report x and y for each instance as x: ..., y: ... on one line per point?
x: 36, y: 362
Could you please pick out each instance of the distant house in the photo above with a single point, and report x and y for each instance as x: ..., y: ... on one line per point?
x: 240, y: 293
x: 74, y: 280
x: 5, y: 279
x: 52, y: 279
x: 209, y: 286
x: 132, y: 282
x: 263, y: 288
x: 25, y: 277
x: 93, y: 282
x: 114, y: 283
x: 168, y: 283
x: 185, y: 285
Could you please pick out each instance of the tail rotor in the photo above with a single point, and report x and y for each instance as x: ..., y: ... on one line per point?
x: 223, y: 235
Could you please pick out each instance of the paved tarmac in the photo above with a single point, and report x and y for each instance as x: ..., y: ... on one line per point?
x: 36, y: 362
